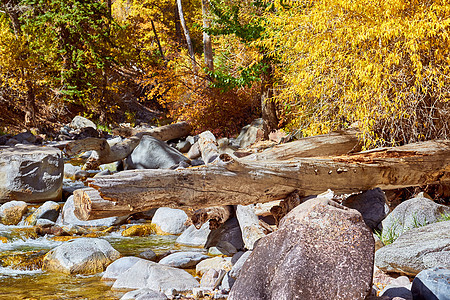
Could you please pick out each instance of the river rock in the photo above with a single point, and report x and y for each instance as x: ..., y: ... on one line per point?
x: 144, y: 294
x: 147, y: 274
x: 416, y: 250
x: 216, y: 263
x: 118, y: 267
x: 410, y: 214
x: 227, y: 239
x: 139, y: 230
x: 49, y: 210
x: 30, y: 173
x: 25, y: 138
x: 250, y: 134
x: 371, y: 204
x: 149, y: 255
x: 183, y: 260
x: 152, y: 153
x: 236, y: 269
x: 251, y: 230
x: 432, y: 283
x: 169, y: 220
x: 321, y: 250
x: 67, y: 217
x: 80, y: 122
x: 70, y: 170
x: 80, y: 256
x: 194, y: 151
x: 209, y: 279
x: 398, y: 287
x: 12, y: 212
x: 195, y: 237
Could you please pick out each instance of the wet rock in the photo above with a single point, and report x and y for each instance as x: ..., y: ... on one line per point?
x: 416, y: 250
x: 183, y: 260
x: 321, y: 250
x: 80, y: 122
x: 149, y: 255
x: 12, y: 212
x: 139, y: 230
x: 169, y: 221
x: 432, y: 283
x: 147, y: 274
x: 216, y: 263
x: 249, y: 223
x: 30, y: 173
x: 194, y: 237
x: 49, y: 210
x: 118, y: 267
x: 410, y: 214
x: 144, y: 294
x: 371, y: 204
x: 50, y: 229
x: 152, y: 153
x: 67, y: 217
x: 80, y: 256
x: 29, y: 260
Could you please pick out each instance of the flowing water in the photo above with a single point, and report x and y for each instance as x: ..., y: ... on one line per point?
x: 39, y: 285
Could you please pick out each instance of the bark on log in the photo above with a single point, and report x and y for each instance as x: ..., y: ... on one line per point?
x: 104, y: 153
x: 164, y: 133
x: 334, y: 143
x: 233, y: 182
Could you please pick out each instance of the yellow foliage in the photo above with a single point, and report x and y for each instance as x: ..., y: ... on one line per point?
x: 383, y: 64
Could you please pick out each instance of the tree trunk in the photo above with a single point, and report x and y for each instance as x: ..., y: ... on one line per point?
x: 30, y: 118
x: 268, y: 106
x: 188, y: 36
x: 237, y: 182
x: 207, y: 45
x: 11, y: 10
x: 157, y: 40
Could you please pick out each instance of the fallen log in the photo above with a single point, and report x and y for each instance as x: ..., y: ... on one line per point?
x: 104, y: 153
x: 216, y: 216
x: 234, y: 182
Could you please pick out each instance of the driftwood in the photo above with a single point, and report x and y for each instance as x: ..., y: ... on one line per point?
x: 104, y: 153
x: 233, y: 182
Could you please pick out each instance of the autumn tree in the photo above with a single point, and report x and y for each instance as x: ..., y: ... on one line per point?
x: 382, y: 66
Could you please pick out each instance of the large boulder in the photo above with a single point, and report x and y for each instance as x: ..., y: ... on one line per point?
x: 80, y: 122
x: 80, y: 256
x: 432, y: 284
x: 195, y: 237
x: 183, y: 260
x: 169, y: 221
x: 152, y: 153
x: 371, y: 204
x: 49, y: 211
x: 67, y: 217
x: 416, y: 250
x: 321, y: 250
x: 147, y: 274
x: 30, y: 173
x: 410, y: 214
x: 12, y: 212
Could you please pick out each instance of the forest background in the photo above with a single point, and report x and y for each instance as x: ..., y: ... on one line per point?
x: 307, y: 67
